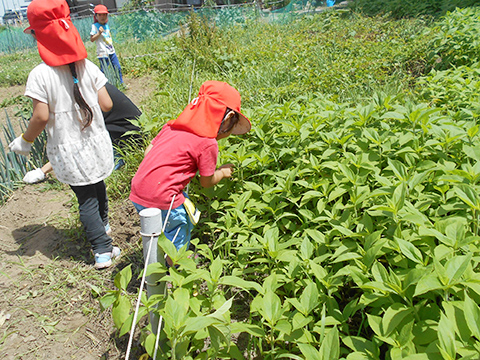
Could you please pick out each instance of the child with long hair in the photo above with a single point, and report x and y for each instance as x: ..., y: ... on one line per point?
x: 184, y: 146
x: 117, y: 121
x: 68, y: 93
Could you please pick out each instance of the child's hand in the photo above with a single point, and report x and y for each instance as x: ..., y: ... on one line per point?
x: 227, y: 170
x: 101, y: 30
x: 34, y: 176
x: 224, y: 171
x: 20, y: 146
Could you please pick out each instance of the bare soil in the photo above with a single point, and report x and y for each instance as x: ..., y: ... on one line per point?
x: 49, y: 301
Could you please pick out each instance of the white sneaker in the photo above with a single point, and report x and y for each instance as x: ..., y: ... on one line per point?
x: 104, y: 260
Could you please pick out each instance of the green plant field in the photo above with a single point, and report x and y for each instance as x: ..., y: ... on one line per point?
x: 351, y: 229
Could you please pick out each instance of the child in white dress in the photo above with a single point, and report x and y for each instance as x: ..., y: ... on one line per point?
x: 68, y: 93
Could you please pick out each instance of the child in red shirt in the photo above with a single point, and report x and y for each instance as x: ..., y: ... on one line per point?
x: 184, y: 146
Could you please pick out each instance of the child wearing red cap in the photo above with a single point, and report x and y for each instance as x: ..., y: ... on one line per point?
x: 69, y: 95
x: 184, y: 146
x: 101, y: 34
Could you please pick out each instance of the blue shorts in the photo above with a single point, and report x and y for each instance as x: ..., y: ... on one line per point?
x: 178, y: 219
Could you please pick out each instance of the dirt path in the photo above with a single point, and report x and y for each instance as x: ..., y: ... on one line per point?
x: 49, y: 306
x: 49, y: 302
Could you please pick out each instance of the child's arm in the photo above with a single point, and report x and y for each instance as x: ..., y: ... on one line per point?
x: 97, y: 35
x: 224, y: 171
x: 38, y: 121
x: 23, y: 144
x: 104, y: 100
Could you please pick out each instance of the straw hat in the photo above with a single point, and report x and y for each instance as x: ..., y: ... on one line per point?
x: 58, y: 41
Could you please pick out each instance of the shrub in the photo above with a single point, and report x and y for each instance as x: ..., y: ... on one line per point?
x: 398, y: 9
x: 455, y: 39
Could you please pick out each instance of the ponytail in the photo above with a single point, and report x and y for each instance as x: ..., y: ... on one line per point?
x: 86, y: 110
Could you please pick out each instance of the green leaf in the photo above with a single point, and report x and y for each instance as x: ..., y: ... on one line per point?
x: 399, y: 169
x: 316, y: 235
x: 309, y: 298
x: 469, y: 196
x: 216, y: 269
x: 446, y: 338
x: 456, y: 267
x: 122, y: 279
x: 240, y: 283
x: 167, y: 246
x: 107, y: 300
x: 359, y: 344
x: 427, y: 283
x: 284, y: 327
x: 393, y: 316
x: 222, y: 310
x: 399, y: 197
x: 310, y: 352
x: 195, y: 324
x: 318, y: 271
x: 272, y: 308
x: 410, y: 251
x: 120, y: 311
x: 472, y: 151
x: 330, y: 348
x: 219, y: 335
x: 156, y: 268
x: 149, y: 344
x: 248, y: 185
x: 472, y: 316
x: 254, y: 330
x: 306, y: 249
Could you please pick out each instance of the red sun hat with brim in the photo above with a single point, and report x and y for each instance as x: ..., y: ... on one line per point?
x: 100, y: 9
x: 58, y: 40
x: 204, y: 115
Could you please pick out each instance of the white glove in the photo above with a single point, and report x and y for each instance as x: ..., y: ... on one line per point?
x: 34, y: 176
x: 20, y: 146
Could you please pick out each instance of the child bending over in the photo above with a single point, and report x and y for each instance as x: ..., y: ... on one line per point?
x: 184, y: 146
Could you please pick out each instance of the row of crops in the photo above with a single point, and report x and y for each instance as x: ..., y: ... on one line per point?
x: 351, y: 231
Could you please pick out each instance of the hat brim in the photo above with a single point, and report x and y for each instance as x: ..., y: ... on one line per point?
x: 29, y: 30
x: 243, y: 126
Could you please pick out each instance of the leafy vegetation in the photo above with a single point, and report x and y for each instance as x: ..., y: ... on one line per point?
x: 454, y: 40
x: 351, y: 229
x: 398, y: 9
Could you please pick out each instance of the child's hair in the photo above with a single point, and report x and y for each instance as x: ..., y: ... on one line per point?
x: 224, y: 127
x: 86, y: 110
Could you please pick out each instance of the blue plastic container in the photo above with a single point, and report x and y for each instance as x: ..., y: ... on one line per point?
x: 330, y: 2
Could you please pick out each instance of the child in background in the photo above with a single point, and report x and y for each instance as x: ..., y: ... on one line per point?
x: 68, y: 93
x: 183, y: 147
x: 101, y: 34
x: 117, y: 124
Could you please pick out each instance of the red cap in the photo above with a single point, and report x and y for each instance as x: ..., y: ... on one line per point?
x: 58, y: 41
x: 204, y: 115
x: 100, y: 9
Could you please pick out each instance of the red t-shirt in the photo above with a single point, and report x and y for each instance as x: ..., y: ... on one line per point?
x: 169, y: 166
